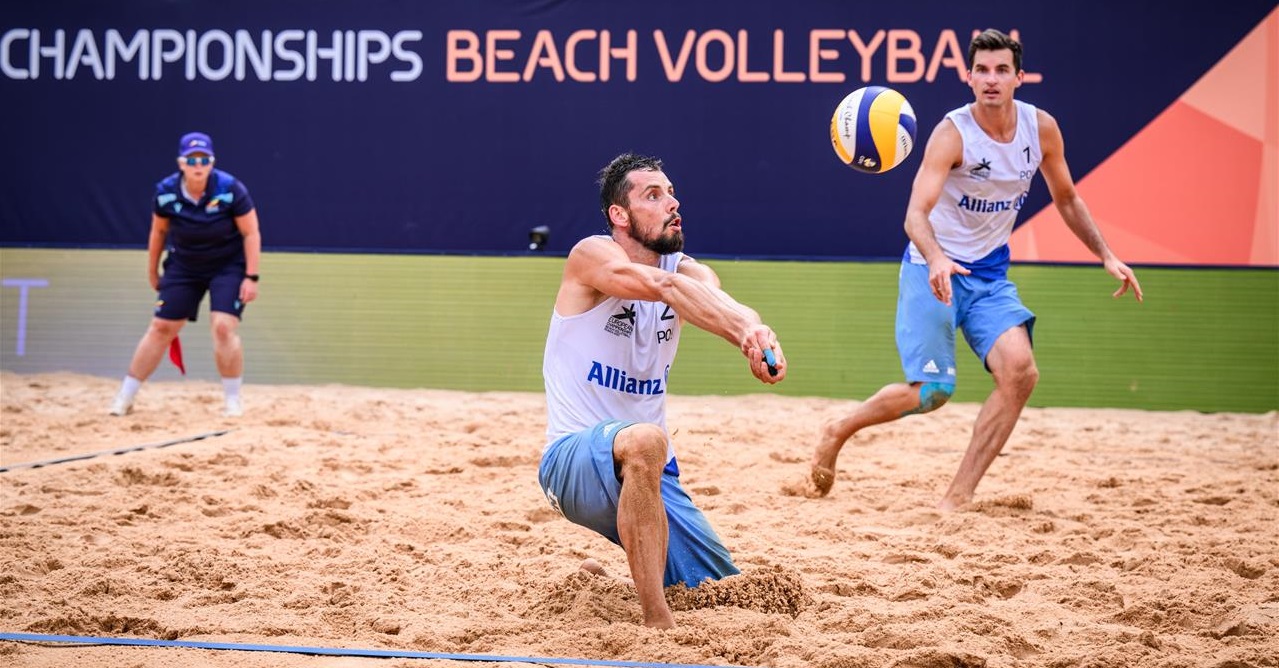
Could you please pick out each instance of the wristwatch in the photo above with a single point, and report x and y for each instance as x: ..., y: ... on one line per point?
x: 253, y: 277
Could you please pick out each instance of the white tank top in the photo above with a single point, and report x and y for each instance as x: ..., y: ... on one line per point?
x: 611, y: 362
x: 981, y: 197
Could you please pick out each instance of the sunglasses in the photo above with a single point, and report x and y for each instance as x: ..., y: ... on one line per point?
x: 192, y: 161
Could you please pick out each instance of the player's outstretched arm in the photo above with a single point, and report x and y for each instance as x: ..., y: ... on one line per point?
x: 598, y: 267
x: 1072, y: 208
x: 760, y: 342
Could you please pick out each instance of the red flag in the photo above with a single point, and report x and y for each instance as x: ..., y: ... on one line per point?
x: 175, y: 354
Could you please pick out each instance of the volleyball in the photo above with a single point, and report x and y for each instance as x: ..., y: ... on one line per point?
x: 873, y: 129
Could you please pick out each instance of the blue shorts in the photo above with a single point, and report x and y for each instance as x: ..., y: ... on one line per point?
x: 577, y: 475
x: 984, y: 309
x: 182, y: 288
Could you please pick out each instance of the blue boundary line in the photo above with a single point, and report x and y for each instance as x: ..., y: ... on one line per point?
x: 337, y: 651
x: 117, y: 451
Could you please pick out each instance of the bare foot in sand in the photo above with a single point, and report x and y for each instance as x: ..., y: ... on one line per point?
x: 822, y: 473
x: 950, y: 504
x: 594, y: 567
x: 822, y: 478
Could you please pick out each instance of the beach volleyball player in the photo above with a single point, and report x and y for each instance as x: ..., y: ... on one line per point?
x: 976, y: 170
x: 609, y: 464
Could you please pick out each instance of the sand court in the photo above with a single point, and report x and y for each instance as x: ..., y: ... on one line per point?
x: 356, y: 517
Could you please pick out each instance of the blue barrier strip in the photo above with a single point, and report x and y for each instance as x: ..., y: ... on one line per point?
x: 337, y: 651
x: 117, y: 451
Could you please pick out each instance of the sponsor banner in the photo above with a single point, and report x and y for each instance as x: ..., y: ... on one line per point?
x: 385, y: 126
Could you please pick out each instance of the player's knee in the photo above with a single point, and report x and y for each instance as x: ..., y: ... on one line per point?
x: 1031, y: 375
x: 640, y: 445
x: 1020, y: 373
x: 934, y: 395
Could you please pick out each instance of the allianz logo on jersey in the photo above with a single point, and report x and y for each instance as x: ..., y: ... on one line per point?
x: 616, y: 379
x: 979, y: 205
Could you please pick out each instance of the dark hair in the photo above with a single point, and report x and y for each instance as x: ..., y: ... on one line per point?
x: 613, y: 182
x: 993, y: 40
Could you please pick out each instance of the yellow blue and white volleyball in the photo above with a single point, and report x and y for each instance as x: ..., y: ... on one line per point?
x: 873, y: 129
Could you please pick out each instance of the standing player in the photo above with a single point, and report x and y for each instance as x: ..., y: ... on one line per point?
x: 609, y: 464
x: 974, y: 176
x: 205, y: 219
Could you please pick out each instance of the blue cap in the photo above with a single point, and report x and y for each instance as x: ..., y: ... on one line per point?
x: 194, y: 142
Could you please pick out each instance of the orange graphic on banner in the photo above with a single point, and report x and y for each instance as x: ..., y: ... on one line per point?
x: 1198, y: 185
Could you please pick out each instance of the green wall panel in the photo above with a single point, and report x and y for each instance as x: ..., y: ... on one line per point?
x: 1204, y: 339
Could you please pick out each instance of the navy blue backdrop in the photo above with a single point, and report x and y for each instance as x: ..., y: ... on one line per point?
x: 395, y: 157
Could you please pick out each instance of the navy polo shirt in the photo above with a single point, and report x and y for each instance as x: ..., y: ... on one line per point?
x: 203, y: 235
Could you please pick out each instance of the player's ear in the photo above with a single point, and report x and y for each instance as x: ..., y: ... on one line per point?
x: 618, y: 215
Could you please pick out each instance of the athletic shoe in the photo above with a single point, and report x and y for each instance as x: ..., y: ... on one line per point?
x: 121, y: 406
x: 233, y: 407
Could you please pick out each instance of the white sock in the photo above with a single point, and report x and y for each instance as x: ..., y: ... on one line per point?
x: 129, y: 388
x: 231, y: 387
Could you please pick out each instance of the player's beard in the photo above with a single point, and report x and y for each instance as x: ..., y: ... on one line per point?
x: 661, y: 243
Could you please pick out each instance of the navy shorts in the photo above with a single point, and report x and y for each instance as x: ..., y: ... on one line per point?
x: 182, y: 289
x: 578, y: 477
